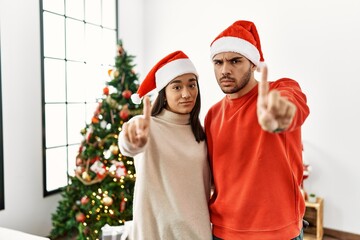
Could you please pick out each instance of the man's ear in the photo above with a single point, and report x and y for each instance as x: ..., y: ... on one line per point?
x: 253, y: 67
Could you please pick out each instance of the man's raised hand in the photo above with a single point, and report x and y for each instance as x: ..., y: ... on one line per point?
x: 275, y: 112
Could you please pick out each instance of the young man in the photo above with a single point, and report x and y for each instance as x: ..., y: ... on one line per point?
x: 254, y: 144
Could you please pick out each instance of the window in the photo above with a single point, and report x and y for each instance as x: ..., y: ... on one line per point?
x: 78, y: 46
x: 2, y: 190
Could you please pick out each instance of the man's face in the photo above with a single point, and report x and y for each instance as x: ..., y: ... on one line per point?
x: 233, y: 72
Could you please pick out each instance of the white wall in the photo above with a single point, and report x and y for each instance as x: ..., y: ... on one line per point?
x: 25, y: 207
x: 314, y: 42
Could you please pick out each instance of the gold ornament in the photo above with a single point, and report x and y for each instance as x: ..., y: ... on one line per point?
x: 114, y: 149
x: 107, y: 201
x: 86, y: 176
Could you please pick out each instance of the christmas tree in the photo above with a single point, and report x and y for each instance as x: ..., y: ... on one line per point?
x: 101, y: 190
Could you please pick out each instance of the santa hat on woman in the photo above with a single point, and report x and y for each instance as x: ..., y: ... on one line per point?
x: 173, y: 65
x: 240, y: 37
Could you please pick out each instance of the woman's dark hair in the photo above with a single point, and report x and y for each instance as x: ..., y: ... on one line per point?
x: 197, y: 129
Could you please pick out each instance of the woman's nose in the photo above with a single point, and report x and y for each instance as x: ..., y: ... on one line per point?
x: 185, y: 93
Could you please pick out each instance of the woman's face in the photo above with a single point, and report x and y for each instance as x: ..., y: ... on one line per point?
x: 181, y: 94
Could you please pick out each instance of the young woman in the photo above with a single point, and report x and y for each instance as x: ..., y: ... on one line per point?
x: 168, y: 144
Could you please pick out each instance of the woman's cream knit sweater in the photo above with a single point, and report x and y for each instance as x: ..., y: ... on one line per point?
x: 172, y: 182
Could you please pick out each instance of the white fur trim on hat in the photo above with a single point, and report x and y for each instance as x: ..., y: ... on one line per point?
x: 238, y: 45
x: 135, y: 98
x: 173, y: 69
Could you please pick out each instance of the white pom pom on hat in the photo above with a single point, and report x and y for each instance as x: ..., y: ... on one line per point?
x: 135, y: 98
x: 175, y: 64
x: 240, y: 37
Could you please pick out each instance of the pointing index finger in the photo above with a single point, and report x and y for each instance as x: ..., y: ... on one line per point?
x: 147, y: 108
x: 263, y: 85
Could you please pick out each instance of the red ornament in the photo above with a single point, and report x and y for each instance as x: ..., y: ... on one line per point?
x: 122, y: 205
x: 80, y: 217
x: 95, y: 120
x: 124, y: 113
x: 126, y: 94
x: 106, y: 91
x: 84, y: 200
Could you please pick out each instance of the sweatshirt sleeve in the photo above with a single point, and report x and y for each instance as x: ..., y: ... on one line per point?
x: 126, y: 148
x: 291, y: 90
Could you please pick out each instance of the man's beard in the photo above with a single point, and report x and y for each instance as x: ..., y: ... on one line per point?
x: 244, y: 81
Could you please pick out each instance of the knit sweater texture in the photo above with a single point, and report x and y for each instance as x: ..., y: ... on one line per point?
x: 172, y: 186
x: 256, y: 174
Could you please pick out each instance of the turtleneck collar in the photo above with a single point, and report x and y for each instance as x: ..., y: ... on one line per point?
x: 181, y: 119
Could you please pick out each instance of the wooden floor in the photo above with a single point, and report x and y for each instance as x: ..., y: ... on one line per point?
x: 324, y: 238
x: 330, y: 238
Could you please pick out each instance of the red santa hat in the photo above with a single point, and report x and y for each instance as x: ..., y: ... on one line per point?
x: 240, y: 37
x: 173, y: 65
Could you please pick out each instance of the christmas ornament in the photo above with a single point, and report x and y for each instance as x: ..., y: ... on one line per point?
x: 126, y: 94
x: 122, y: 204
x: 80, y: 217
x: 95, y: 120
x: 103, y: 124
x: 113, y: 73
x: 107, y: 154
x: 99, y: 168
x: 107, y: 201
x: 114, y: 149
x: 106, y: 91
x: 84, y: 200
x: 117, y: 169
x: 86, y: 176
x: 121, y: 171
x: 124, y: 113
x: 83, y: 131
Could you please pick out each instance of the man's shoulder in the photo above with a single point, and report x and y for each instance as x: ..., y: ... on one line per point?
x: 284, y: 82
x: 215, y: 108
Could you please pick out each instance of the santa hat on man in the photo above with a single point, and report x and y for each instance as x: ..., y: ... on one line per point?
x: 240, y: 37
x: 173, y: 65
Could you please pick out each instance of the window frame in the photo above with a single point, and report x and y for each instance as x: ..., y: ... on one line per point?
x: 47, y: 192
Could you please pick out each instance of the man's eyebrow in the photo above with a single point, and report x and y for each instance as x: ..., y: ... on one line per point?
x: 229, y: 60
x: 235, y: 58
